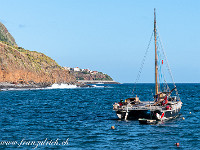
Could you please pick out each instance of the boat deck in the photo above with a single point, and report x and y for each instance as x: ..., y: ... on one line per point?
x: 143, y: 106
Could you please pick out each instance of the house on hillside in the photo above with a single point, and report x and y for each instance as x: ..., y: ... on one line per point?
x: 94, y: 72
x: 67, y: 68
x: 77, y: 69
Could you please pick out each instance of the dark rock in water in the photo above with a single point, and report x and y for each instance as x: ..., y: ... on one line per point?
x: 83, y: 85
x: 22, y: 86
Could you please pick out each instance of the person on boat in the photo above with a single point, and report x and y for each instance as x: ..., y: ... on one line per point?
x: 165, y: 101
x: 159, y: 98
x: 168, y: 107
x: 115, y: 106
x: 121, y: 102
x: 156, y: 97
x: 127, y: 101
x: 137, y: 101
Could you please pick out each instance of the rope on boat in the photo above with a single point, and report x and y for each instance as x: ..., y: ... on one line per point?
x: 168, y: 67
x: 162, y: 80
x: 165, y: 57
x: 142, y: 64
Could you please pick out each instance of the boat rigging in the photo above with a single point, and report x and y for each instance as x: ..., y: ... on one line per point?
x: 164, y: 106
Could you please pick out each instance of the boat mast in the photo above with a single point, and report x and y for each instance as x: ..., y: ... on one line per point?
x: 156, y: 56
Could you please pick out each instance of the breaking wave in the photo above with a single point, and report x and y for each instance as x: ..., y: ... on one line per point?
x: 97, y: 86
x: 62, y: 86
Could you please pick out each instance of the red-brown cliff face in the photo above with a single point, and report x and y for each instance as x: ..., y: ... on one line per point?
x: 18, y: 65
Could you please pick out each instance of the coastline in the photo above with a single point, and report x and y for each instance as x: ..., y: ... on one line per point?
x: 97, y: 82
x: 6, y: 85
x: 9, y: 86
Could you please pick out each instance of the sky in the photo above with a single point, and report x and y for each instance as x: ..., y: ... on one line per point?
x: 110, y: 36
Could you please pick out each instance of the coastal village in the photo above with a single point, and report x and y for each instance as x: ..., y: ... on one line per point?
x: 87, y: 74
x: 77, y: 69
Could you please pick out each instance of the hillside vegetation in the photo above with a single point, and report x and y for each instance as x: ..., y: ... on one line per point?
x: 18, y: 65
x: 5, y: 36
x: 23, y: 66
x: 83, y: 75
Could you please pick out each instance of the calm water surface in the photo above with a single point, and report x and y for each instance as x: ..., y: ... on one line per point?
x: 81, y: 118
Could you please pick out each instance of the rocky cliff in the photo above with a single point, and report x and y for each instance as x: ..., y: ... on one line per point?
x: 22, y: 66
x: 18, y: 65
x: 5, y: 36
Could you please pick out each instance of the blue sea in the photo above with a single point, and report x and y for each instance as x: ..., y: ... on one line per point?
x: 81, y: 118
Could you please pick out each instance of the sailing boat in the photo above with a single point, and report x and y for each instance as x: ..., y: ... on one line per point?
x: 163, y: 107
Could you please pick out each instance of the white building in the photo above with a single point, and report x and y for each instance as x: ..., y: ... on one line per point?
x: 67, y: 68
x: 77, y: 69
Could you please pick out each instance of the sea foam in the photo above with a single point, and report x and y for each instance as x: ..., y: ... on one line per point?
x: 62, y: 86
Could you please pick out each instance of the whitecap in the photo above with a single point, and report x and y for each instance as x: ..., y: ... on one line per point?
x: 62, y: 86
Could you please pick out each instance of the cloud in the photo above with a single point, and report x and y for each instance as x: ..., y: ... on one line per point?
x: 22, y: 26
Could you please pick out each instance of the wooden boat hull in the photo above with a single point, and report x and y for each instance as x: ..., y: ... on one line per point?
x: 149, y: 113
x: 166, y: 115
x: 133, y: 114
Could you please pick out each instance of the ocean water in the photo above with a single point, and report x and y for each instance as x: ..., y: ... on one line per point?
x: 81, y: 118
